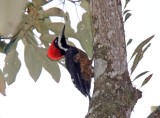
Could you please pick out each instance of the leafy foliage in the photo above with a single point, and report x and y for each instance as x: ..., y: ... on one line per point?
x: 35, y: 18
x: 32, y: 62
x: 12, y: 65
x: 139, y: 53
x: 140, y: 47
x: 146, y: 80
x: 53, y: 12
x: 50, y: 66
x: 126, y: 13
x: 126, y: 3
x: 139, y: 75
x: 129, y: 41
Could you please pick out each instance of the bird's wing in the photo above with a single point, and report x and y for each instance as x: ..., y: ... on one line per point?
x: 73, y: 66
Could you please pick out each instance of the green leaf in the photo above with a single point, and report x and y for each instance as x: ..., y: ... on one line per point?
x: 85, y: 4
x: 84, y: 34
x: 44, y: 41
x: 2, y: 84
x: 141, y: 45
x: 50, y: 66
x: 146, y: 80
x: 47, y: 21
x: 32, y: 62
x: 30, y: 37
x: 136, y: 61
x: 54, y: 11
x: 41, y: 26
x: 145, y: 49
x: 57, y: 28
x: 141, y: 74
x: 138, y: 57
x: 12, y: 66
x: 40, y: 3
x: 47, y: 37
x: 129, y: 41
x: 127, y: 1
x: 126, y: 11
x: 127, y: 16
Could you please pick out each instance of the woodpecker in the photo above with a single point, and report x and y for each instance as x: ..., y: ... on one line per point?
x: 77, y: 63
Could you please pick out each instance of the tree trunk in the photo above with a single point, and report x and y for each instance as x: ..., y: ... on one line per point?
x: 113, y: 95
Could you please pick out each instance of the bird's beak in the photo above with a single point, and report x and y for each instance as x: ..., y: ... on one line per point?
x: 63, y: 31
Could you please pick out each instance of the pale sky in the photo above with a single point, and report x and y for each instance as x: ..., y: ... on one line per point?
x: 48, y: 99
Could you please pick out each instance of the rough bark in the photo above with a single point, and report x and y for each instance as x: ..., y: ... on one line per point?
x: 113, y: 95
x: 155, y: 114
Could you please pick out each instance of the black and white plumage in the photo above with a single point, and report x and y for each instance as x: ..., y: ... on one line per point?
x: 73, y: 65
x: 77, y: 63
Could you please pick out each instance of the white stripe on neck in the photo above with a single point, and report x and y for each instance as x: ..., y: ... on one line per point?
x: 60, y: 44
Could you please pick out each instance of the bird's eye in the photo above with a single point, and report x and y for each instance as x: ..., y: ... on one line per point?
x: 56, y: 42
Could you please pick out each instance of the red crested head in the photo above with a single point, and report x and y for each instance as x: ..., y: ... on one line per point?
x: 54, y: 53
x: 58, y: 47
